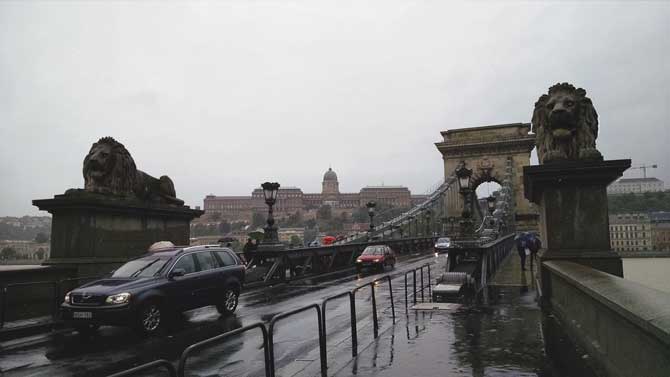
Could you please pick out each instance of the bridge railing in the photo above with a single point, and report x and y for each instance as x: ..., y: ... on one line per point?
x: 181, y: 368
x: 422, y: 286
x: 487, y: 257
x: 35, y: 299
x: 268, y: 334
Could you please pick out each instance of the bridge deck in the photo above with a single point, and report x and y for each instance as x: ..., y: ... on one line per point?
x: 511, y: 274
x: 501, y: 338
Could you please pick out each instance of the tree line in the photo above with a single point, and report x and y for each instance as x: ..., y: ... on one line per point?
x: 646, y: 202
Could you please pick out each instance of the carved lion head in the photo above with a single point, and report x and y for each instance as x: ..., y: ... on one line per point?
x: 564, y: 116
x: 109, y: 168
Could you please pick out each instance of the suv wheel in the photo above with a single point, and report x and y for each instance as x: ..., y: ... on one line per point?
x: 150, y: 318
x: 229, y: 303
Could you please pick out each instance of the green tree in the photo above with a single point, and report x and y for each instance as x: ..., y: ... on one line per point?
x: 40, y: 253
x: 41, y: 238
x: 8, y: 253
x: 296, y: 241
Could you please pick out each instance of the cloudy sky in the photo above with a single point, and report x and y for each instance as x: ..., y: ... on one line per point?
x: 222, y: 96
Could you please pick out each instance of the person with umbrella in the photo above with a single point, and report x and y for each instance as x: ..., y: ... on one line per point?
x: 522, y: 241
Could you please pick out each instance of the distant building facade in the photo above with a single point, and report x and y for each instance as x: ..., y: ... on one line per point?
x: 660, y: 228
x: 631, y: 232
x: 292, y: 199
x: 635, y: 186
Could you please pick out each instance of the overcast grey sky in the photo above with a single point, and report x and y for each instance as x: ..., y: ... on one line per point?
x: 222, y: 96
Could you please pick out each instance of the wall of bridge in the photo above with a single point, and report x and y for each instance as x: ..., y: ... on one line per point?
x: 624, y: 326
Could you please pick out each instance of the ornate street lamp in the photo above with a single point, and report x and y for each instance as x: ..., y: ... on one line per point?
x: 464, y: 176
x: 371, y: 212
x: 444, y: 221
x: 491, y: 204
x: 270, y: 190
x: 409, y: 223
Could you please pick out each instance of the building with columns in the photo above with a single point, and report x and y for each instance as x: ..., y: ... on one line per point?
x: 292, y: 199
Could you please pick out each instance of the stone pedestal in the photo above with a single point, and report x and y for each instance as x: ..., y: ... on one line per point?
x: 95, y: 233
x: 572, y: 200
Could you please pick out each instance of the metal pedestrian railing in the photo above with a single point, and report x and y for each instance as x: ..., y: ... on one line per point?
x: 421, y: 288
x: 352, y: 314
x: 38, y: 302
x: 268, y: 334
x: 322, y: 339
x: 220, y: 338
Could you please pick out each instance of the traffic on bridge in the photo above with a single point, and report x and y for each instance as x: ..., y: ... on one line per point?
x: 508, y: 249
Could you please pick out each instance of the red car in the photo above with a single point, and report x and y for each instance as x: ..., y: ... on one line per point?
x: 376, y: 257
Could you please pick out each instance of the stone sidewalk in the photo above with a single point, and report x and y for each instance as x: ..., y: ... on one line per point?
x: 501, y: 338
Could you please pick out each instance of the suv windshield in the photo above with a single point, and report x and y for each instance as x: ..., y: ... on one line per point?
x: 373, y: 250
x: 443, y: 240
x: 142, y: 267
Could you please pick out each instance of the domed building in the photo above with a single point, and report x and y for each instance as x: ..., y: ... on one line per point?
x: 330, y: 184
x: 292, y: 199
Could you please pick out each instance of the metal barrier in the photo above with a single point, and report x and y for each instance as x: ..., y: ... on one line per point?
x: 423, y: 286
x: 268, y: 335
x: 352, y: 314
x: 322, y: 339
x: 194, y: 347
x: 148, y: 366
x: 371, y: 284
x: 5, y: 292
x: 57, y: 299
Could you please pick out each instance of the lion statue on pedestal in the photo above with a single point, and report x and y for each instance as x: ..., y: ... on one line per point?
x: 109, y: 169
x: 566, y: 125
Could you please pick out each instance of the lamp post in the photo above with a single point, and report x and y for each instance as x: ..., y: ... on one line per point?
x: 409, y: 225
x: 371, y: 212
x: 491, y: 203
x: 444, y: 220
x: 464, y: 176
x: 270, y: 238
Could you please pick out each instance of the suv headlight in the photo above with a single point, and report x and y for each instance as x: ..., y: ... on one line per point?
x: 67, y: 298
x: 121, y: 298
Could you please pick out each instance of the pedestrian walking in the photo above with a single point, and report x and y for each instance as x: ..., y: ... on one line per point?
x: 522, y: 242
x: 534, y: 244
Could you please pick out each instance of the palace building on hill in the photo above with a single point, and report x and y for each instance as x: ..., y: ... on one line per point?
x: 292, y: 199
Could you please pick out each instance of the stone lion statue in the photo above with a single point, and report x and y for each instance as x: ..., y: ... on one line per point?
x: 566, y: 125
x: 109, y: 169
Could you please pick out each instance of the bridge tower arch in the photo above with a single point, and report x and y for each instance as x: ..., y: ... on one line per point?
x: 493, y: 153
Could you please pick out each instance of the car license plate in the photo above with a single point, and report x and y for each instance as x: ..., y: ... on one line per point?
x: 82, y: 315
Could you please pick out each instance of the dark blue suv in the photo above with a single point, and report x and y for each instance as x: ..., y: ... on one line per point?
x: 148, y: 291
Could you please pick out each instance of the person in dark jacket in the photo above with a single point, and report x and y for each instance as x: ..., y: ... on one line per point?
x: 521, y: 246
x: 534, y: 244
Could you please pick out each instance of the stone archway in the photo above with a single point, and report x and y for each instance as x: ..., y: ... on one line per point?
x: 490, y: 151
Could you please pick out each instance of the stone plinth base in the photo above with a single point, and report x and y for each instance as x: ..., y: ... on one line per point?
x: 572, y: 200
x: 96, y: 233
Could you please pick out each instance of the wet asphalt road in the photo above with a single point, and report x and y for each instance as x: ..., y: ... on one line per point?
x: 115, y: 349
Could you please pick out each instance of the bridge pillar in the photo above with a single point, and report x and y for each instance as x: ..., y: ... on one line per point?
x: 572, y: 200
x: 489, y: 151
